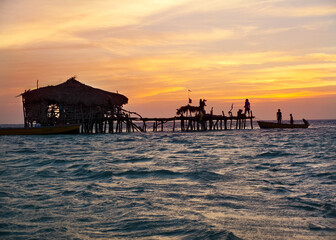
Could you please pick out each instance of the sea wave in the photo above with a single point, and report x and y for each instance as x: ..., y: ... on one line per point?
x: 235, y: 184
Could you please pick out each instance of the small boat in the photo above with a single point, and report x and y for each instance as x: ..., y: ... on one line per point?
x: 263, y: 125
x: 64, y: 129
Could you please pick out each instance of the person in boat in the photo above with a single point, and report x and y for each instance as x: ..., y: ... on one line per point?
x: 305, y: 121
x: 279, y: 116
x: 247, y: 107
x: 291, y: 119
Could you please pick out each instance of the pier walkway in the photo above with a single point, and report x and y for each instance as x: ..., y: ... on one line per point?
x: 205, y: 122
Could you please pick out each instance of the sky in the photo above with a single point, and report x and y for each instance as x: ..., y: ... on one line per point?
x: 277, y: 53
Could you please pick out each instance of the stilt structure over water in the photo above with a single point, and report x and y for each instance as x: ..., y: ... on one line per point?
x: 194, y: 123
x: 195, y: 120
x: 99, y: 111
x: 71, y: 103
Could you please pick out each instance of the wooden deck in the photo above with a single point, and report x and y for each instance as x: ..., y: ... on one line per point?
x: 179, y: 123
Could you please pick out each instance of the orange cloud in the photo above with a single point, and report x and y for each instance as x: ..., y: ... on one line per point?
x: 154, y: 50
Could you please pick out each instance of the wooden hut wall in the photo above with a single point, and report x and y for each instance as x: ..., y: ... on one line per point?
x: 50, y: 114
x: 68, y: 103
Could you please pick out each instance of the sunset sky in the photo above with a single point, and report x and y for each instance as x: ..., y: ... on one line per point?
x: 277, y: 53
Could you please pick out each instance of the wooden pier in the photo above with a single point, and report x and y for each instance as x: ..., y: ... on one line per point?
x: 207, y: 122
x: 99, y: 111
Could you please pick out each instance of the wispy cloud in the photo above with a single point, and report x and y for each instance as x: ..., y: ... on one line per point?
x: 152, y: 50
x: 38, y: 21
x: 308, y: 11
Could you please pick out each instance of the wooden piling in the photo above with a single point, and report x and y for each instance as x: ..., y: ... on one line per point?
x: 207, y: 122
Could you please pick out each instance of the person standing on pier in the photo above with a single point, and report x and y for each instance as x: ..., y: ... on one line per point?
x: 291, y: 119
x: 202, y: 105
x: 247, y: 107
x: 279, y: 116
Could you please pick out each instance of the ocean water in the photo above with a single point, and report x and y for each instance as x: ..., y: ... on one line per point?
x: 235, y: 184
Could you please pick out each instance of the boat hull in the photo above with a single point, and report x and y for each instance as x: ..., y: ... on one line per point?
x: 265, y: 125
x: 65, y: 129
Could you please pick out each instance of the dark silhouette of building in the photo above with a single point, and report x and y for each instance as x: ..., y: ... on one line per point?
x: 69, y: 103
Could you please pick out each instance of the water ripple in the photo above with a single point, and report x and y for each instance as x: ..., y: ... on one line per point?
x: 253, y: 184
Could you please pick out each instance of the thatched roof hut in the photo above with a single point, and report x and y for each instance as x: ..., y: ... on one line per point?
x: 70, y: 102
x: 72, y: 92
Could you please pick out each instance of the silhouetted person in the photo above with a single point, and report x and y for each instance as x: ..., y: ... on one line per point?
x: 291, y: 119
x: 230, y: 112
x: 202, y: 105
x: 247, y: 107
x: 279, y: 116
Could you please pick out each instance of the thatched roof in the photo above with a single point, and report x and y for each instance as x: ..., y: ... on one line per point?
x: 73, y: 92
